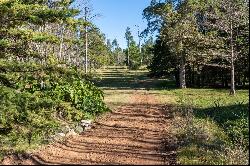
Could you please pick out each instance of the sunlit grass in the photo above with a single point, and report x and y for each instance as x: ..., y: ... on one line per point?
x: 216, y: 116
x: 119, y: 84
x: 205, y: 98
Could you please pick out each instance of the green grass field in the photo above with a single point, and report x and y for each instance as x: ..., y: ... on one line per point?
x: 215, y: 131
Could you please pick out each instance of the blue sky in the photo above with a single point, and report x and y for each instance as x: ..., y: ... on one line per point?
x: 117, y: 15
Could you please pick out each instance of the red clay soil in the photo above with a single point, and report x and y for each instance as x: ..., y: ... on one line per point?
x: 134, y: 134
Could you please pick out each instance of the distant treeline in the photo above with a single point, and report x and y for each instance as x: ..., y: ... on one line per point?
x: 201, y: 43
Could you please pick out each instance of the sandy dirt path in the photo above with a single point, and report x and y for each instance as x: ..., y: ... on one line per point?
x: 132, y: 134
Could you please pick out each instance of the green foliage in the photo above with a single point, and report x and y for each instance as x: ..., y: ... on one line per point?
x: 163, y: 63
x: 41, y: 100
x: 19, y: 23
x: 83, y: 95
x: 39, y: 93
x: 147, y: 51
x: 24, y: 117
x: 132, y: 51
x: 202, y: 138
x: 238, y: 130
x: 134, y: 54
x: 196, y: 40
x: 99, y: 52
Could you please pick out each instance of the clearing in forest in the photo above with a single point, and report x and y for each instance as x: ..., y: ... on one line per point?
x: 135, y: 132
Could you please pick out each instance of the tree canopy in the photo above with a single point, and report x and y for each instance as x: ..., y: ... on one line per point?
x: 203, y: 37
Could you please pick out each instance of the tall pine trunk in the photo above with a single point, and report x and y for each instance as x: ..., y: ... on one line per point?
x: 232, y: 91
x: 61, y: 43
x: 86, y: 50
x: 182, y: 73
x: 128, y: 55
x: 86, y: 41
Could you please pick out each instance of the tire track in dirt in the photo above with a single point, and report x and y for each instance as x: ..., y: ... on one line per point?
x: 132, y: 134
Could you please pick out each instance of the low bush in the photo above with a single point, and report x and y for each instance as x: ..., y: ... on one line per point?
x: 40, y: 101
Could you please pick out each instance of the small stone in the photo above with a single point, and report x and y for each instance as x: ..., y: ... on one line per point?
x: 71, y: 133
x: 87, y: 128
x: 85, y: 125
x: 61, y: 134
x: 86, y: 121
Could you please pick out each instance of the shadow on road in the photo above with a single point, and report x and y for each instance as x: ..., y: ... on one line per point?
x: 126, y: 136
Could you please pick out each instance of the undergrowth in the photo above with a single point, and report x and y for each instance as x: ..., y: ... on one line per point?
x: 36, y: 103
x: 212, y: 127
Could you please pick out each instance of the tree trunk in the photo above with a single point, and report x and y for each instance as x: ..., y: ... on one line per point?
x: 232, y: 91
x: 86, y: 50
x: 193, y: 76
x: 86, y: 43
x: 117, y: 58
x: 182, y: 73
x: 128, y: 54
x: 61, y: 43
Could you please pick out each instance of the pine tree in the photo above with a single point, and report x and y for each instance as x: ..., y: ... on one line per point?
x: 227, y: 16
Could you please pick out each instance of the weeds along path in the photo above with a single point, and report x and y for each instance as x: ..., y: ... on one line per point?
x: 133, y: 133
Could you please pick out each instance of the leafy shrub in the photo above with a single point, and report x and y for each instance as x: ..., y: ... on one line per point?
x: 41, y: 100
